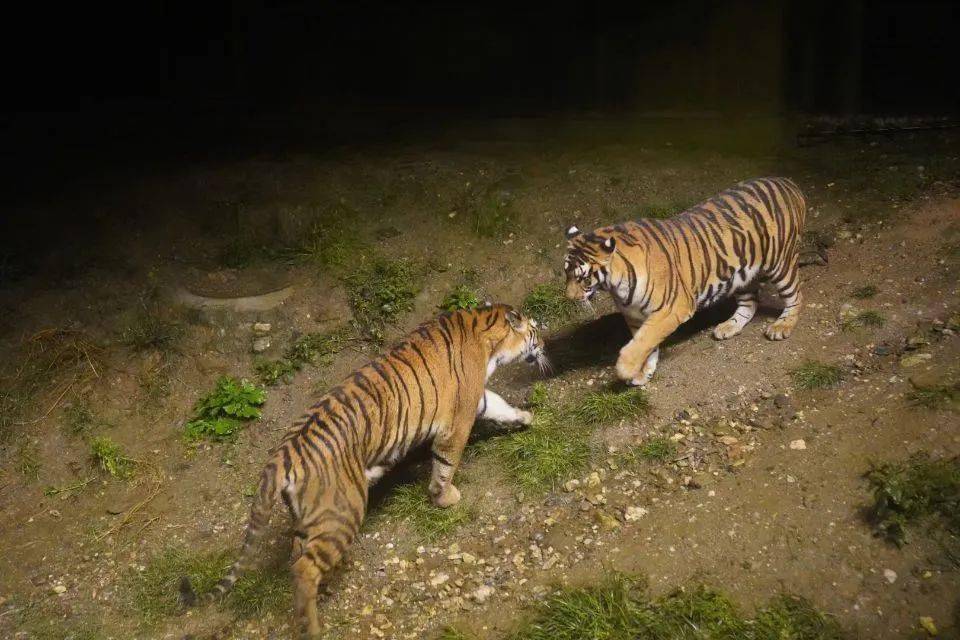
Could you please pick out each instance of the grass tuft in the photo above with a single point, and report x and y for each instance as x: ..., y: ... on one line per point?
x: 109, y: 457
x: 28, y: 460
x: 816, y: 375
x: 410, y: 503
x: 656, y: 449
x: 220, y: 414
x: 379, y: 291
x: 148, y: 331
x: 601, y: 407
x: 452, y: 633
x: 863, y: 319
x: 260, y: 592
x: 941, y: 396
x: 80, y: 419
x: 906, y: 492
x: 462, y: 297
x: 864, y: 292
x: 619, y: 609
x: 154, y: 591
x: 548, y: 304
x: 313, y: 348
x: 330, y: 243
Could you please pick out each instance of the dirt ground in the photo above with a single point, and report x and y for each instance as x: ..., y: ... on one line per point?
x: 744, y: 506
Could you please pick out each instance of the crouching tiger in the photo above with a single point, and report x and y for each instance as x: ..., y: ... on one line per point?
x: 659, y: 272
x: 429, y: 386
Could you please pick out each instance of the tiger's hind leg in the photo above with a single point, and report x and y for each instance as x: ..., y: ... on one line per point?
x: 335, y: 519
x: 788, y: 288
x: 746, y: 308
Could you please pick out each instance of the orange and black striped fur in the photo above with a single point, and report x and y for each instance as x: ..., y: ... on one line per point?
x: 659, y: 272
x: 428, y: 387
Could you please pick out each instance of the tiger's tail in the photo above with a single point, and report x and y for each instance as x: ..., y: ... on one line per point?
x: 267, y: 494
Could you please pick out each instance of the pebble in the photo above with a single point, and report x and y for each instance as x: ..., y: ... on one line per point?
x: 59, y: 589
x: 890, y: 575
x: 261, y: 327
x: 438, y: 579
x: 571, y: 485
x: 798, y: 445
x: 593, y: 480
x: 914, y: 360
x: 632, y: 514
x: 482, y: 593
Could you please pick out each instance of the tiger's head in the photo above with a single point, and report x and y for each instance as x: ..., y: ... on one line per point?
x: 521, y: 340
x: 587, y: 263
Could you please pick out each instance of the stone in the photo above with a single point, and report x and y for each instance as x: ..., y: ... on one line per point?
x: 261, y: 327
x: 927, y: 623
x: 571, y: 485
x: 606, y: 521
x: 798, y: 445
x: 890, y: 575
x: 593, y: 480
x: 482, y: 593
x: 59, y: 589
x: 914, y: 360
x: 438, y: 579
x: 632, y: 514
x: 729, y: 440
x: 261, y: 344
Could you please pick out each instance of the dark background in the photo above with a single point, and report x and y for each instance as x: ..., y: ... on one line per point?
x: 95, y: 83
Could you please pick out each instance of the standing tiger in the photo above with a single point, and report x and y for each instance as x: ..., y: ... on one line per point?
x: 429, y: 386
x: 659, y: 272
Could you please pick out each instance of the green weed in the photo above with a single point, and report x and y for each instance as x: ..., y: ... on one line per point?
x: 619, y: 609
x: 864, y: 319
x: 600, y: 407
x: 940, y: 396
x: 312, y: 348
x: 656, y: 449
x: 548, y: 304
x: 410, y: 503
x: 864, y: 292
x: 462, y: 297
x: 108, y: 456
x: 539, y: 395
x: 379, y: 291
x: 222, y: 412
x: 816, y: 375
x: 906, y: 492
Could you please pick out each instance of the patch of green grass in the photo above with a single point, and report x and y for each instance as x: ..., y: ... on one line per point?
x: 619, y: 609
x: 816, y: 375
x: 452, y: 633
x: 147, y: 330
x: 539, y: 395
x: 28, y: 460
x: 315, y: 348
x: 108, y: 456
x: 864, y: 292
x: 261, y: 591
x: 863, y: 319
x: 330, y: 243
x: 462, y: 297
x: 379, y: 291
x: 548, y: 304
x: 153, y: 593
x: 600, y: 407
x: 220, y: 414
x: 906, y: 492
x: 80, y: 419
x: 940, y: 396
x: 655, y: 449
x: 411, y: 503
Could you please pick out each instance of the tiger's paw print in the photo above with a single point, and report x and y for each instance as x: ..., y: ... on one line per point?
x: 448, y: 497
x: 726, y: 330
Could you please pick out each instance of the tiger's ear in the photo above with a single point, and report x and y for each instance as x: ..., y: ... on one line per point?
x: 572, y: 232
x: 609, y: 244
x: 515, y: 320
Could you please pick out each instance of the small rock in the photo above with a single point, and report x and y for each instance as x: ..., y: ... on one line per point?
x: 468, y: 558
x: 606, y: 521
x: 882, y: 350
x: 632, y: 514
x: 593, y: 480
x: 482, y: 593
x: 552, y: 560
x: 59, y: 589
x: 798, y: 445
x: 890, y: 575
x: 261, y: 327
x: 597, y: 499
x: 438, y: 579
x: 729, y: 440
x: 571, y: 485
x: 261, y: 344
x: 914, y: 360
x: 927, y: 623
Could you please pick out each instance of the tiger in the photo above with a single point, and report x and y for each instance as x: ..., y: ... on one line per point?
x: 660, y: 272
x: 429, y: 386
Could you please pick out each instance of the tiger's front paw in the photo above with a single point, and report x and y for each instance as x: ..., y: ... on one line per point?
x: 727, y: 329
x: 781, y: 329
x: 448, y: 497
x: 634, y: 376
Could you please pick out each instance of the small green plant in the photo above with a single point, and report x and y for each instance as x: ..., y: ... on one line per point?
x: 816, y: 375
x: 548, y: 304
x: 222, y: 412
x: 108, y: 456
x: 657, y: 449
x: 940, y: 396
x: 330, y: 243
x: 619, y: 609
x: 147, y: 330
x: 312, y: 348
x: 601, y: 407
x: 379, y: 291
x: 80, y: 419
x: 410, y: 503
x: 863, y: 319
x: 462, y: 297
x: 906, y: 492
x: 864, y: 292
